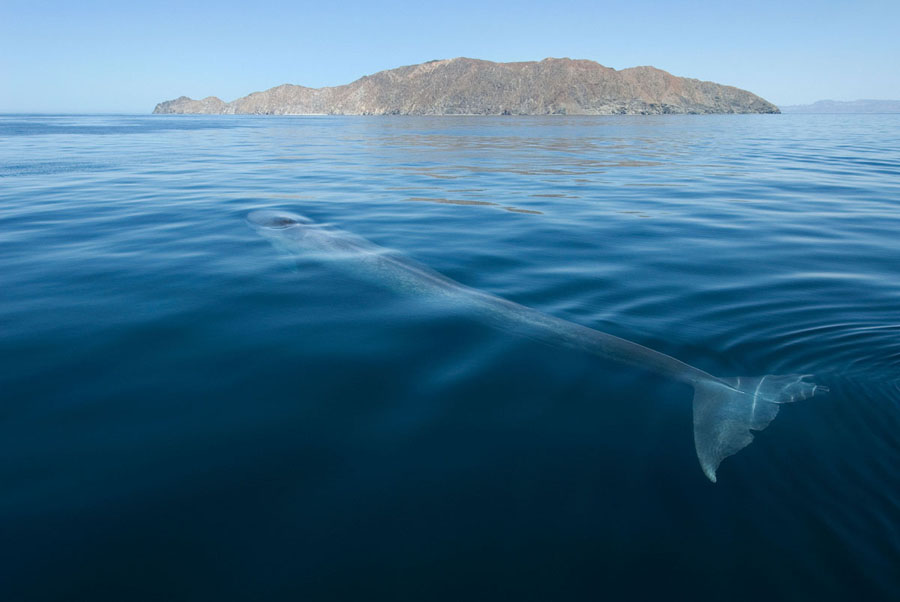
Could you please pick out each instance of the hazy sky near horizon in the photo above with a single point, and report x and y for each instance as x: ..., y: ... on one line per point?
x: 100, y: 56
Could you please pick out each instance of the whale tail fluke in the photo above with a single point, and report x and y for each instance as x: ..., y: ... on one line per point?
x: 727, y: 410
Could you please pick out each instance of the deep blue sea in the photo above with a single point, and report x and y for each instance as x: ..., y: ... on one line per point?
x: 189, y: 413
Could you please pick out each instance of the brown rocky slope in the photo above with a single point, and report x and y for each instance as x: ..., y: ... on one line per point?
x: 465, y: 86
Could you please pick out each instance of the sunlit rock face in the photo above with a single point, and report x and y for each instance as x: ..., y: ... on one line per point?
x: 465, y: 86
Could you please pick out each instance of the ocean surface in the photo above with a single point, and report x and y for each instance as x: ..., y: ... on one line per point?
x: 188, y: 412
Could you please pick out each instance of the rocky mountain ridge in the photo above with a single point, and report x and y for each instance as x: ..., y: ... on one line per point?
x: 464, y: 86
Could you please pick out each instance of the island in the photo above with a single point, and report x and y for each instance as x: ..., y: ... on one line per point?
x: 464, y: 86
x: 846, y: 106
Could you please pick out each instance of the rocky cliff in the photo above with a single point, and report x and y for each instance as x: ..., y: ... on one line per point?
x: 473, y: 87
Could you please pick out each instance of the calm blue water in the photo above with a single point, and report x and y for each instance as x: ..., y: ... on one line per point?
x: 188, y: 413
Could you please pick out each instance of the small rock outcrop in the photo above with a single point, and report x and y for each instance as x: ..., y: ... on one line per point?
x: 465, y: 86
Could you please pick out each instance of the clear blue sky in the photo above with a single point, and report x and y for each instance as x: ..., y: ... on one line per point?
x: 98, y: 56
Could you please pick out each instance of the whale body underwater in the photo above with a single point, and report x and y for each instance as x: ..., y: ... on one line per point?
x: 725, y: 410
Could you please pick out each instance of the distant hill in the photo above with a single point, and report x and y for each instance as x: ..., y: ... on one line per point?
x: 851, y: 106
x: 465, y: 86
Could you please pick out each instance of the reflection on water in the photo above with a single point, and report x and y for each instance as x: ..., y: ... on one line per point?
x: 465, y: 202
x: 292, y: 197
x: 186, y: 410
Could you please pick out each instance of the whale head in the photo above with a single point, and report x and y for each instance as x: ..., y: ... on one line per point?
x: 276, y: 220
x: 304, y: 237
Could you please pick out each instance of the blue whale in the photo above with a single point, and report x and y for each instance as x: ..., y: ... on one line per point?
x: 726, y: 410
